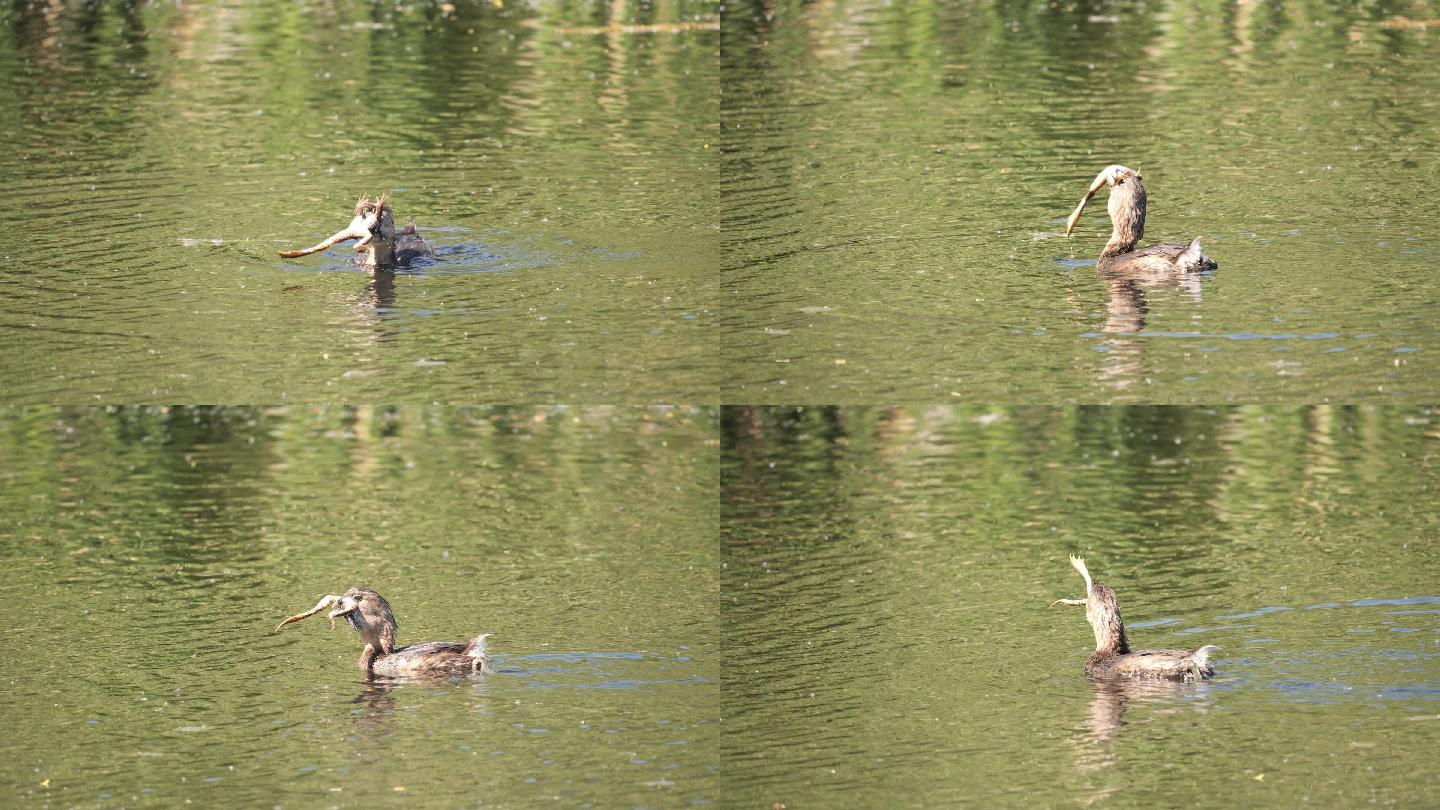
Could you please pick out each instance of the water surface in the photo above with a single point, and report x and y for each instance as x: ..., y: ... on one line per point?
x: 896, y: 178
x: 159, y: 156
x: 150, y: 554
x: 889, y: 640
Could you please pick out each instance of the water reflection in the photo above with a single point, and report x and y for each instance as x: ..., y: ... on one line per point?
x: 1127, y: 305
x: 1113, y: 697
x: 583, y: 131
x: 1126, y: 311
x: 888, y: 572
x: 1095, y: 744
x: 377, y: 695
x: 375, y: 309
x: 377, y: 701
x: 890, y: 163
x: 559, y: 528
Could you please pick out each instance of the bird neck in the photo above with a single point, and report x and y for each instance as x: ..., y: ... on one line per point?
x: 1127, y: 215
x: 367, y: 658
x: 1117, y: 246
x: 1111, y: 638
x: 378, y: 631
x: 1103, y: 611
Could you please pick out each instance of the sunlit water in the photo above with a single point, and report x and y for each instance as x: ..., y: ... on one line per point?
x: 889, y: 639
x: 151, y: 554
x: 159, y: 155
x: 896, y: 178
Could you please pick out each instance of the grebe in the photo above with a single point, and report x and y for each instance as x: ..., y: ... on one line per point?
x: 369, y: 613
x: 1113, y: 657
x: 1127, y: 215
x: 383, y: 245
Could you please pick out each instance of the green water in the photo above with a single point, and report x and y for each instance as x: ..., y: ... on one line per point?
x: 159, y: 155
x: 150, y: 555
x: 896, y: 178
x: 655, y: 222
x: 888, y: 576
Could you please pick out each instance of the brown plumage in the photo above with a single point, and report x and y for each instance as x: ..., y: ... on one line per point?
x: 1127, y: 216
x: 374, y: 227
x: 1113, y: 657
x: 370, y: 615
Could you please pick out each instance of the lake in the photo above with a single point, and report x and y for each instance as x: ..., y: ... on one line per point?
x: 558, y: 157
x: 811, y: 400
x: 896, y: 178
x: 152, y: 552
x: 890, y: 641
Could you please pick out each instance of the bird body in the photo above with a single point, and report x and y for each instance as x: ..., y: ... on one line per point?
x: 1175, y: 665
x: 1113, y: 657
x: 1126, y: 207
x: 383, y: 245
x: 1164, y: 257
x: 370, y: 615
x: 433, y: 658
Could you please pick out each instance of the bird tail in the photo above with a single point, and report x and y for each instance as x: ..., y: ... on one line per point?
x: 1193, y: 258
x: 1202, y: 655
x: 476, y: 650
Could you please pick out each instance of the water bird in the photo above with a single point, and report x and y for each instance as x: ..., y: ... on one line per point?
x: 1127, y: 215
x: 1113, y: 657
x: 383, y: 245
x: 370, y: 615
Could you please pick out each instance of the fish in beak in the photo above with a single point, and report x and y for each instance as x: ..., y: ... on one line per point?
x: 1112, y: 175
x: 341, y: 604
x: 1078, y: 562
x: 362, y: 227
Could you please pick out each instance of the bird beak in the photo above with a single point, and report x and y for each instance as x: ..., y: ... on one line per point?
x: 346, y: 605
x: 325, y: 602
x: 361, y: 227
x: 1099, y: 183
